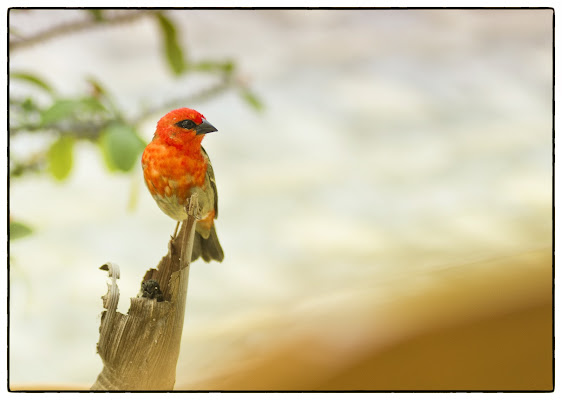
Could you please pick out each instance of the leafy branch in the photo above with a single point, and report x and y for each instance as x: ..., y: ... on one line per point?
x: 94, y: 116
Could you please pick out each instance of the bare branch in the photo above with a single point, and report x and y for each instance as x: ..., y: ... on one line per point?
x: 198, y: 97
x: 76, y: 26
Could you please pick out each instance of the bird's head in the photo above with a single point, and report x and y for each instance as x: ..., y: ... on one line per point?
x: 183, y: 126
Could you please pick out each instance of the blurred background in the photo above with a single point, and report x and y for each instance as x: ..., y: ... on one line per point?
x: 385, y: 193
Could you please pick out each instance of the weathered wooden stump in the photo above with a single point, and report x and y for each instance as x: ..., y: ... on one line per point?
x: 140, y: 350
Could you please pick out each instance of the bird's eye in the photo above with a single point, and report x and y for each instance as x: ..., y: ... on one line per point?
x: 186, y: 124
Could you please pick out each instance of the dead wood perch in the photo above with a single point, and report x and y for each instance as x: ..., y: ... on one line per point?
x: 140, y: 350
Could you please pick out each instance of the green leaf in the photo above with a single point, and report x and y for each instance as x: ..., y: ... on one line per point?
x: 59, y: 157
x: 121, y: 146
x: 19, y: 230
x: 174, y: 53
x: 252, y: 99
x: 69, y: 108
x: 33, y: 79
x: 60, y: 110
x: 96, y: 14
x: 29, y: 105
x: 228, y: 67
x: 210, y: 66
x: 91, y: 105
x: 204, y: 66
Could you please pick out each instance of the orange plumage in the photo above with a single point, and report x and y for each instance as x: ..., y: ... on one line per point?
x: 175, y: 166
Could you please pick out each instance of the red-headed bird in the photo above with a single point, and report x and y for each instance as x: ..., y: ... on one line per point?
x: 175, y: 166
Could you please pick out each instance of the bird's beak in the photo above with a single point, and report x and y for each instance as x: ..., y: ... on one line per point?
x: 204, y: 127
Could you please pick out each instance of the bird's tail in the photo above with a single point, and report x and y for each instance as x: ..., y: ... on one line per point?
x: 209, y: 249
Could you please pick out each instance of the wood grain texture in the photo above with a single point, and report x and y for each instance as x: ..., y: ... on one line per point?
x: 140, y: 350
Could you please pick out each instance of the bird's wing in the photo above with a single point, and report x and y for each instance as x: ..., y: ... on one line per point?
x: 211, y: 175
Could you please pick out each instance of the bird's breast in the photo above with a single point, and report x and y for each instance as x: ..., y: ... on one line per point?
x: 170, y: 172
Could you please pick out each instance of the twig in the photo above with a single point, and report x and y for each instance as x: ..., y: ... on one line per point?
x: 90, y: 129
x: 76, y: 26
x: 34, y: 163
x: 197, y: 97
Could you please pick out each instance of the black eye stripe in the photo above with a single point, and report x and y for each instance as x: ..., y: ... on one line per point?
x: 186, y: 124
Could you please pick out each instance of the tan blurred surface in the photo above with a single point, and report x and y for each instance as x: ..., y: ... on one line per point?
x: 489, y: 328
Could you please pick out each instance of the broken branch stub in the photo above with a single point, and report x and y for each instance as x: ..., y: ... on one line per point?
x: 140, y: 350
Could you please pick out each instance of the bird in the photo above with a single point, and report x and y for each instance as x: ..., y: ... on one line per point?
x: 175, y: 166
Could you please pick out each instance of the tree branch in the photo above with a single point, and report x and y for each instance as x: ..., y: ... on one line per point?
x: 76, y: 26
x: 200, y: 96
